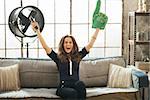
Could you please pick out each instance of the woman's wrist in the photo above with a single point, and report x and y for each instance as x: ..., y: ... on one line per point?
x: 94, y: 37
x: 97, y: 29
x: 38, y: 31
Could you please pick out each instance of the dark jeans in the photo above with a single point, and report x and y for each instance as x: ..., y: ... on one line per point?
x: 71, y: 90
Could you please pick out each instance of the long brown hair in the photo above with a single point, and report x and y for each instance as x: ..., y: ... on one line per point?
x: 63, y: 56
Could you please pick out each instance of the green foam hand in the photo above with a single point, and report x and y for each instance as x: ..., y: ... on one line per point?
x: 99, y: 18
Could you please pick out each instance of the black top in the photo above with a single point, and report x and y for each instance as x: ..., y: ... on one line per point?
x: 64, y: 67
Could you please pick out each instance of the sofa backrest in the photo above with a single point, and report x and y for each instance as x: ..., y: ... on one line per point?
x: 34, y: 73
x: 44, y: 73
x: 38, y: 73
x: 95, y: 72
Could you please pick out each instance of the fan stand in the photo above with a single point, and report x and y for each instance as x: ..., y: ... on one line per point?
x: 21, y: 37
x: 27, y: 50
x: 27, y: 44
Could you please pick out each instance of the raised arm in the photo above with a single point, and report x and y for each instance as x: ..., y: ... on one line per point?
x: 93, y: 38
x: 99, y: 22
x: 40, y: 37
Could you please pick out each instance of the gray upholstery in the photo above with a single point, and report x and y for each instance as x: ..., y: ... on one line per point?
x: 39, y: 74
x: 45, y: 73
x: 95, y: 72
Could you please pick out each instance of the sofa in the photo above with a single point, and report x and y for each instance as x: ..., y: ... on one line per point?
x: 39, y: 78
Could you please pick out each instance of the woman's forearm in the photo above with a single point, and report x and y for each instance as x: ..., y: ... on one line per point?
x: 43, y: 43
x: 36, y: 29
x: 92, y: 41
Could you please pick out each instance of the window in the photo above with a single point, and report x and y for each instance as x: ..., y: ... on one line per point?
x: 61, y: 20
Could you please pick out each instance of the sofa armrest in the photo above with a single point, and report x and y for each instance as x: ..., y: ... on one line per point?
x: 140, y: 79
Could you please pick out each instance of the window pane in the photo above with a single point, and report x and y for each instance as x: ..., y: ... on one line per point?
x: 33, y: 44
x: 110, y: 52
x: 80, y: 11
x: 114, y: 6
x: 113, y: 35
x: 29, y: 2
x: 61, y: 30
x: 11, y: 40
x: 2, y: 36
x: 33, y: 53
x: 42, y: 54
x: 2, y: 12
x: 96, y: 53
x: 80, y: 33
x: 47, y: 8
x: 62, y: 11
x: 57, y: 18
x: 24, y: 52
x: 2, y: 53
x: 48, y: 35
x: 16, y: 53
x: 10, y: 6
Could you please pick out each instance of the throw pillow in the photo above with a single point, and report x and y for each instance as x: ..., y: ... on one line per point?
x: 119, y: 77
x: 9, y: 78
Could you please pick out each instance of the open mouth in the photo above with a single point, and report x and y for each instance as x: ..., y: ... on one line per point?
x: 68, y: 48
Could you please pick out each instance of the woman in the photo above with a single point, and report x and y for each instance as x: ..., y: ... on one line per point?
x: 68, y: 58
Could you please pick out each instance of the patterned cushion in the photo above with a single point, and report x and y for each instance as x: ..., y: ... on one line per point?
x: 119, y: 77
x: 9, y: 78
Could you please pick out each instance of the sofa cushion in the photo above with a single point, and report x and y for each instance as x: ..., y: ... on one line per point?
x: 38, y: 73
x: 119, y: 77
x: 51, y: 92
x: 95, y: 72
x: 9, y: 78
x: 30, y: 92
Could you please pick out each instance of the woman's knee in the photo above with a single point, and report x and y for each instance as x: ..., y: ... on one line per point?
x: 67, y: 93
x: 80, y: 87
x: 80, y: 84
